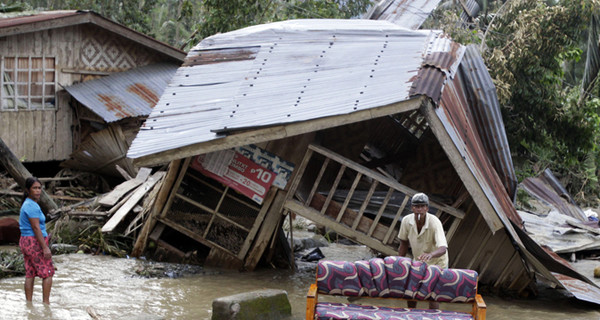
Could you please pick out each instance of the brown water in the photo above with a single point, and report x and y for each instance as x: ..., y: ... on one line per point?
x: 110, y: 286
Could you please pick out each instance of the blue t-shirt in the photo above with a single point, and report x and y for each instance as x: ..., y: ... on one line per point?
x: 30, y: 209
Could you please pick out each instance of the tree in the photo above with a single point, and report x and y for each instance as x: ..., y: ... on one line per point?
x: 526, y: 45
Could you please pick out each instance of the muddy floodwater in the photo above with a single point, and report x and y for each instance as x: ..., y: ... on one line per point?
x: 111, y: 287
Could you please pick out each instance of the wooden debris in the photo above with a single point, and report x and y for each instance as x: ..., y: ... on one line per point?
x: 135, y: 198
x: 111, y: 198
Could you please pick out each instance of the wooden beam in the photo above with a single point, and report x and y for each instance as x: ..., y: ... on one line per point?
x: 19, y: 173
x: 344, y: 230
x: 163, y: 193
x: 267, y: 230
x: 388, y: 196
x: 383, y: 179
x: 276, y: 132
x: 257, y: 222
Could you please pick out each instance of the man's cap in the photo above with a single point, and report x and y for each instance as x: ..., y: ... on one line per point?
x: 419, y: 198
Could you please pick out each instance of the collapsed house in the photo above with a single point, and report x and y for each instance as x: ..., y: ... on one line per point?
x: 364, y: 114
x: 44, y: 52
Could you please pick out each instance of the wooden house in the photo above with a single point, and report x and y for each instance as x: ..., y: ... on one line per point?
x: 40, y: 55
x: 368, y: 113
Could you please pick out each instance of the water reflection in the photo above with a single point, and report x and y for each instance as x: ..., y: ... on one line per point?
x: 111, y: 287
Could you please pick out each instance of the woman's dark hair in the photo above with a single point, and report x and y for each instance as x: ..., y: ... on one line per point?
x: 28, y: 183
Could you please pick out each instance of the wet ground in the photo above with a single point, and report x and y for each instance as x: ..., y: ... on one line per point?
x: 113, y: 289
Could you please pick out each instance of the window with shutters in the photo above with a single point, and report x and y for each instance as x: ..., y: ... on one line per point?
x: 28, y: 83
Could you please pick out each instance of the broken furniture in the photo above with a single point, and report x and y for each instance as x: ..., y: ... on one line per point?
x: 393, y: 278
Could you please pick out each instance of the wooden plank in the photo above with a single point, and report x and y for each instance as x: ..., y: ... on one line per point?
x: 298, y: 174
x: 485, y: 267
x: 135, y: 198
x: 267, y: 229
x: 123, y: 172
x: 336, y: 182
x: 257, y: 222
x: 349, y: 196
x: 349, y: 218
x: 472, y: 231
x: 163, y: 194
x: 174, y: 225
x: 382, y: 179
x: 148, y: 202
x: 158, y: 230
x: 342, y: 229
x: 365, y: 204
x: 505, y: 269
x: 455, y: 224
x: 317, y: 181
x: 278, y: 132
x: 111, y: 198
x: 214, y: 212
x: 388, y: 196
x: 396, y: 218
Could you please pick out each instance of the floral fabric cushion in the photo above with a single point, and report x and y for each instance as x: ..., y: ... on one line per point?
x: 338, y: 278
x: 456, y: 285
x: 330, y: 311
x: 397, y: 277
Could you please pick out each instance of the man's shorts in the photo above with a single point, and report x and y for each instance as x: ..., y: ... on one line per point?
x: 35, y: 263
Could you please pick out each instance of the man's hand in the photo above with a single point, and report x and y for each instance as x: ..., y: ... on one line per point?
x: 425, y: 257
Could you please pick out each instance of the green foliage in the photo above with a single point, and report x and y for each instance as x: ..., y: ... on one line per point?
x: 96, y: 242
x: 11, y: 263
x: 88, y: 236
x: 526, y: 45
x: 220, y: 16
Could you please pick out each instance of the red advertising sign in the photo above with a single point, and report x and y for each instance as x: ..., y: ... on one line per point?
x: 236, y: 171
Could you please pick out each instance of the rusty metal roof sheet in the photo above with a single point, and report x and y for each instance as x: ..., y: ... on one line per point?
x: 406, y: 13
x: 484, y: 103
x: 547, y: 188
x: 283, y: 72
x: 132, y: 93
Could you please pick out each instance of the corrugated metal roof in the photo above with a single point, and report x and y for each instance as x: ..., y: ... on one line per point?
x: 547, y: 188
x: 406, y: 13
x: 281, y: 73
x: 488, y: 117
x: 132, y: 93
x: 457, y: 119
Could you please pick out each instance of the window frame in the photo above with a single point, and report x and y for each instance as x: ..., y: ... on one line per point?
x: 11, y: 80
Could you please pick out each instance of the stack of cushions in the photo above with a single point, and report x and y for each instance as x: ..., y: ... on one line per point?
x: 393, y: 277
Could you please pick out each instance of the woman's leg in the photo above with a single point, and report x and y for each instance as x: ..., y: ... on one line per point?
x: 29, y: 289
x: 46, y: 287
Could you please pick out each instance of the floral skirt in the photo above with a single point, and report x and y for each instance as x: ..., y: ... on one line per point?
x: 35, y: 263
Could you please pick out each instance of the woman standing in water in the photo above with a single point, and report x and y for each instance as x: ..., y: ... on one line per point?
x: 34, y: 241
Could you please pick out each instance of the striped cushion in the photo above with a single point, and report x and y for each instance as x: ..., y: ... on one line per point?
x: 396, y: 277
x: 330, y: 311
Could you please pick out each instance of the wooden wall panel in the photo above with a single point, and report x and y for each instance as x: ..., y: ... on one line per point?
x: 47, y: 135
x: 63, y: 145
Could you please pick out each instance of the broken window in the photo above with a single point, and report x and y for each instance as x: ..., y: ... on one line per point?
x: 28, y: 83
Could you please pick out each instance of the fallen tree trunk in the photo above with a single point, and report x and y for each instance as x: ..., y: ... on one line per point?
x: 17, y: 170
